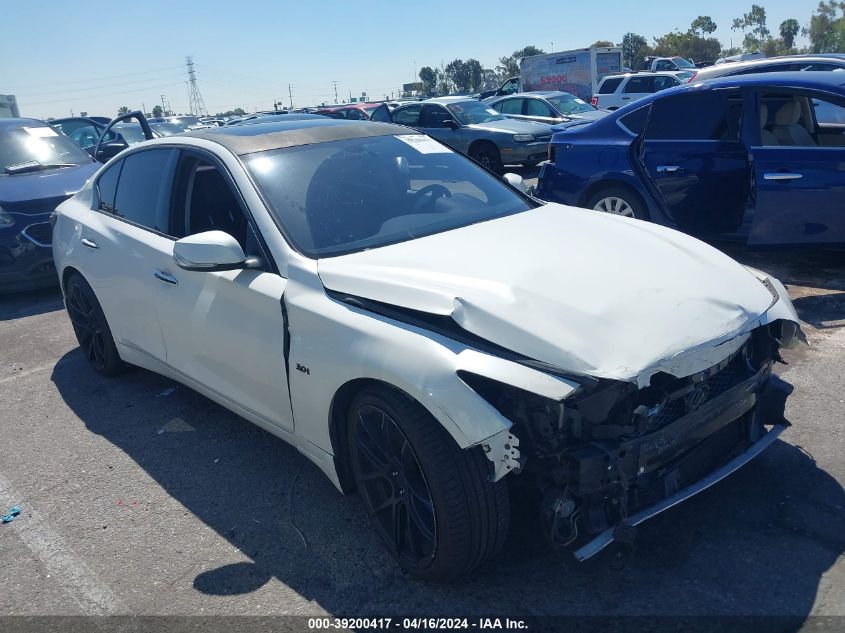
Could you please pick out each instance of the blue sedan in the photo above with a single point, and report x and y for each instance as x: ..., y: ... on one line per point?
x: 757, y: 158
x: 39, y: 169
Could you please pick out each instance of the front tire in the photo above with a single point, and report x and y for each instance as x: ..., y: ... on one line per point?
x: 431, y: 503
x: 90, y: 326
x: 487, y: 154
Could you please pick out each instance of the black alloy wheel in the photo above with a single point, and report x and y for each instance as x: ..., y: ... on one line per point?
x: 90, y: 326
x: 394, y: 488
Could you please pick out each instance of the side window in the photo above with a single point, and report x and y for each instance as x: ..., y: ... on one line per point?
x: 635, y: 121
x: 409, y: 115
x: 820, y: 67
x: 107, y: 187
x: 510, y: 106
x: 664, y: 64
x: 609, y: 86
x: 510, y: 86
x: 535, y: 107
x: 433, y: 116
x: 354, y: 114
x: 661, y: 83
x: 203, y: 200
x: 691, y: 117
x: 141, y: 192
x: 639, y: 85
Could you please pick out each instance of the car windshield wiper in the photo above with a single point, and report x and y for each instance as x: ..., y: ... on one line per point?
x: 34, y: 165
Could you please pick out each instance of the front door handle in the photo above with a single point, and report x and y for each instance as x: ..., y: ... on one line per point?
x: 166, y: 278
x: 667, y: 169
x: 89, y: 243
x: 781, y: 175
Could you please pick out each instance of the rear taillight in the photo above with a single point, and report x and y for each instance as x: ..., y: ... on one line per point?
x: 594, y: 101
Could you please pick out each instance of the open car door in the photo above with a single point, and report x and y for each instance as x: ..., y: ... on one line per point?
x: 799, y: 174
x: 112, y: 142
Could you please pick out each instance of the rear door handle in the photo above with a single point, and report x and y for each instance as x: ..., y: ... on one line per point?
x: 166, y: 278
x: 89, y: 243
x: 780, y: 175
x: 667, y: 169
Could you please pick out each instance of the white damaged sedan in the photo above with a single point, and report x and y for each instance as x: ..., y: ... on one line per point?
x: 424, y: 332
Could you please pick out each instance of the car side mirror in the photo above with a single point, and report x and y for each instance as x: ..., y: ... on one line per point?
x: 515, y: 180
x: 451, y: 123
x: 210, y: 251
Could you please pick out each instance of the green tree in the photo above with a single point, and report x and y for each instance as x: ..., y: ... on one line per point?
x: 458, y: 74
x: 753, y: 27
x: 688, y: 45
x: 428, y: 77
x: 509, y: 66
x: 788, y: 30
x: 603, y: 43
x: 157, y: 111
x: 634, y: 49
x: 122, y: 110
x: 475, y: 73
x: 827, y: 28
x: 703, y: 25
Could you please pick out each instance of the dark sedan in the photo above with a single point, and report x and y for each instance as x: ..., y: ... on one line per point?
x: 40, y: 169
x: 757, y: 158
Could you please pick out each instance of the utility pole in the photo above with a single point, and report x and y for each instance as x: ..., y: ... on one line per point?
x: 335, y: 92
x: 290, y: 94
x: 195, y: 100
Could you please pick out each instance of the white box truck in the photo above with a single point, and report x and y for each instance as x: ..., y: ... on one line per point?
x: 577, y: 72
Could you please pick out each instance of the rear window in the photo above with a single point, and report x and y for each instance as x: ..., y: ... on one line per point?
x: 635, y: 121
x: 609, y: 86
x: 691, y: 117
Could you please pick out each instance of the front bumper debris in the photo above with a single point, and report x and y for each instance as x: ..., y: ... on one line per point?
x: 621, y: 531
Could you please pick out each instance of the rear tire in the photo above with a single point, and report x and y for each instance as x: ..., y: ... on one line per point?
x: 90, y: 326
x: 618, y: 201
x: 416, y: 483
x: 488, y: 155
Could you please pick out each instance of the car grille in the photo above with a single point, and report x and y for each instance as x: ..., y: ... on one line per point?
x: 732, y: 374
x: 40, y: 233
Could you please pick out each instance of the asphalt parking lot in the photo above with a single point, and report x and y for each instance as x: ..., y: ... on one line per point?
x: 142, y: 497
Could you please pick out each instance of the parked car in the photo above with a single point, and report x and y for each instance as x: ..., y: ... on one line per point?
x: 102, y: 141
x: 743, y: 157
x: 546, y: 107
x: 785, y: 63
x: 40, y: 169
x: 477, y: 130
x: 358, y: 290
x: 270, y: 118
x: 616, y: 91
x: 656, y: 64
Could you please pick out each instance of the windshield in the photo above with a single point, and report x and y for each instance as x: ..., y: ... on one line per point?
x: 569, y: 104
x: 469, y: 112
x: 344, y: 196
x: 131, y: 132
x: 166, y: 129
x: 38, y: 145
x: 683, y: 63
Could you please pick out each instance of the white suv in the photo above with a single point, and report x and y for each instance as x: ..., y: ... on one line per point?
x: 615, y: 91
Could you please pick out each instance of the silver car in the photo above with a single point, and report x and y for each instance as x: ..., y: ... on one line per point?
x: 818, y: 62
x: 550, y: 107
x: 475, y: 129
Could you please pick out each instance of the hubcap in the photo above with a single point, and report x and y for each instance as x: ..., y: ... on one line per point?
x: 87, y: 326
x: 393, y: 487
x: 616, y: 206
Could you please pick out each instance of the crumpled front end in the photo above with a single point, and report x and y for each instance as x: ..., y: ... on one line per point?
x: 613, y: 454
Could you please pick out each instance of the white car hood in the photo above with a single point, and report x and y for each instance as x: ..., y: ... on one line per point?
x: 584, y: 291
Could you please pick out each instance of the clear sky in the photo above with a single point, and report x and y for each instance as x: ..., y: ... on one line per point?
x: 59, y: 56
